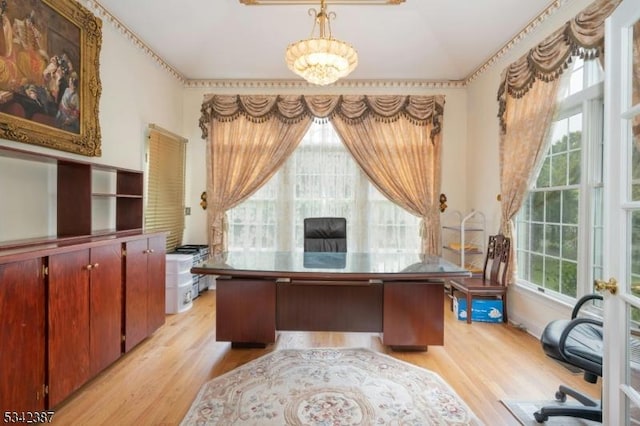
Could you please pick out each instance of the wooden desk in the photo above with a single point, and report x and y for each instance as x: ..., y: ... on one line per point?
x: 399, y: 295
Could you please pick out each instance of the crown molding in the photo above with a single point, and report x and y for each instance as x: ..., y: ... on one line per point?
x: 532, y: 25
x: 105, y: 15
x: 316, y: 2
x: 301, y: 84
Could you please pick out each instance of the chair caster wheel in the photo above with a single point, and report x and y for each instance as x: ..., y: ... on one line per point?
x: 561, y: 396
x: 540, y: 418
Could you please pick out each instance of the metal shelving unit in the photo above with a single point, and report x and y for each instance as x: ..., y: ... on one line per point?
x: 464, y: 239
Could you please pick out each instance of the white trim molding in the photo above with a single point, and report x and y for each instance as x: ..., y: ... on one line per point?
x: 300, y: 84
x: 104, y: 14
x: 546, y: 13
x: 315, y: 2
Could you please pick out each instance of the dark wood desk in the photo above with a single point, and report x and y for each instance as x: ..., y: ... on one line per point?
x: 399, y: 295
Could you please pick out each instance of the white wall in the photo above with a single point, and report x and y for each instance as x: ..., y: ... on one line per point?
x: 454, y: 138
x: 136, y: 91
x: 531, y: 309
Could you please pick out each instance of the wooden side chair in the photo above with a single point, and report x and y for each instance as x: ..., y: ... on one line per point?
x: 493, y: 281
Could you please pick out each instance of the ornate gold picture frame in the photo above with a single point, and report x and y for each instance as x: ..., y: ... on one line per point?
x: 49, y: 75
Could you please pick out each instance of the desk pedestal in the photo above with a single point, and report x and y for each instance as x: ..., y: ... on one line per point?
x: 246, y: 311
x: 413, y: 315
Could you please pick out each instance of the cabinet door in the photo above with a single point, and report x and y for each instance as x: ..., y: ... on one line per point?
x: 22, y: 309
x: 106, y: 306
x: 156, y: 280
x: 136, y: 304
x: 68, y: 323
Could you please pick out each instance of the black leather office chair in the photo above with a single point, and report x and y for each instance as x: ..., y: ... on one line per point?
x: 325, y: 234
x: 577, y: 344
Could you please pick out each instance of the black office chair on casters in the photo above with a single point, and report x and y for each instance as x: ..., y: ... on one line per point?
x: 325, y: 234
x: 577, y: 344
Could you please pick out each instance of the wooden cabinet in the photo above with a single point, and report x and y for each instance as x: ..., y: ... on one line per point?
x: 85, y: 316
x: 22, y: 333
x: 62, y: 307
x: 145, y: 265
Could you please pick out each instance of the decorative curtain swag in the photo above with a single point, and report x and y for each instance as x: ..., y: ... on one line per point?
x: 583, y: 36
x: 419, y: 110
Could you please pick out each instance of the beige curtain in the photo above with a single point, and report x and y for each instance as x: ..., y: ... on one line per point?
x: 400, y: 156
x: 521, y: 148
x: 247, y: 145
x: 395, y: 139
x: 527, y: 98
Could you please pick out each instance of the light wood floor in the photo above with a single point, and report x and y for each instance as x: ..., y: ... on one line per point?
x: 156, y: 382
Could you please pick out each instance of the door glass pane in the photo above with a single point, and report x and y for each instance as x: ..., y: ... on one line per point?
x: 635, y: 84
x: 634, y: 253
x: 635, y: 121
x: 598, y: 234
x: 633, y: 363
x: 635, y: 168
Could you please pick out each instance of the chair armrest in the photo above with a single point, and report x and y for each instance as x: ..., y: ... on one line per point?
x: 582, y: 301
x: 573, y: 324
x: 586, y: 350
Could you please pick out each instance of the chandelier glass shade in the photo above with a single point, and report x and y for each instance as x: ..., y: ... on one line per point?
x: 321, y: 60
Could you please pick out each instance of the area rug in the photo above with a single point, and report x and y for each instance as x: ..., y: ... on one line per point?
x: 328, y: 387
x: 523, y: 412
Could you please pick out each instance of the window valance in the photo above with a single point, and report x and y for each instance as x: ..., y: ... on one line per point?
x: 419, y: 110
x: 582, y: 36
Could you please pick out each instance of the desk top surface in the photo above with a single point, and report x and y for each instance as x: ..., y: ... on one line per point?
x: 395, y: 266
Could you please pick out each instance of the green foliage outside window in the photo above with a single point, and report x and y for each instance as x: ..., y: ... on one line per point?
x: 548, y: 221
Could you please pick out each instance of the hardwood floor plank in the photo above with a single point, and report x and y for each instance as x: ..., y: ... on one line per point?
x: 158, y: 380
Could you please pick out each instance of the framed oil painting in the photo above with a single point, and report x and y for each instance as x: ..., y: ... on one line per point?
x: 49, y: 75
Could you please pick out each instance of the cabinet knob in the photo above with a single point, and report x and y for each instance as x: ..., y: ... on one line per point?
x: 95, y: 265
x: 151, y: 251
x: 89, y: 267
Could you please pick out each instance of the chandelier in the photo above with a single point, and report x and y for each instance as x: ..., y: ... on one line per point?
x: 321, y: 60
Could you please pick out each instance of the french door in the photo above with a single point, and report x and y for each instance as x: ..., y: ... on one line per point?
x: 621, y: 372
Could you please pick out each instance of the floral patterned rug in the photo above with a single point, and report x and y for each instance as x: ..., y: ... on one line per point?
x: 328, y: 387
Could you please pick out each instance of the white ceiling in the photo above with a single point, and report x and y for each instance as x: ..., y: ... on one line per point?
x: 427, y: 40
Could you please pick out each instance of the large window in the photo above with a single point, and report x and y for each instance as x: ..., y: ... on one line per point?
x: 321, y: 179
x: 559, y: 227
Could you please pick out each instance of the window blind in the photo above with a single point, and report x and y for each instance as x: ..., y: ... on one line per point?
x: 164, y: 209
